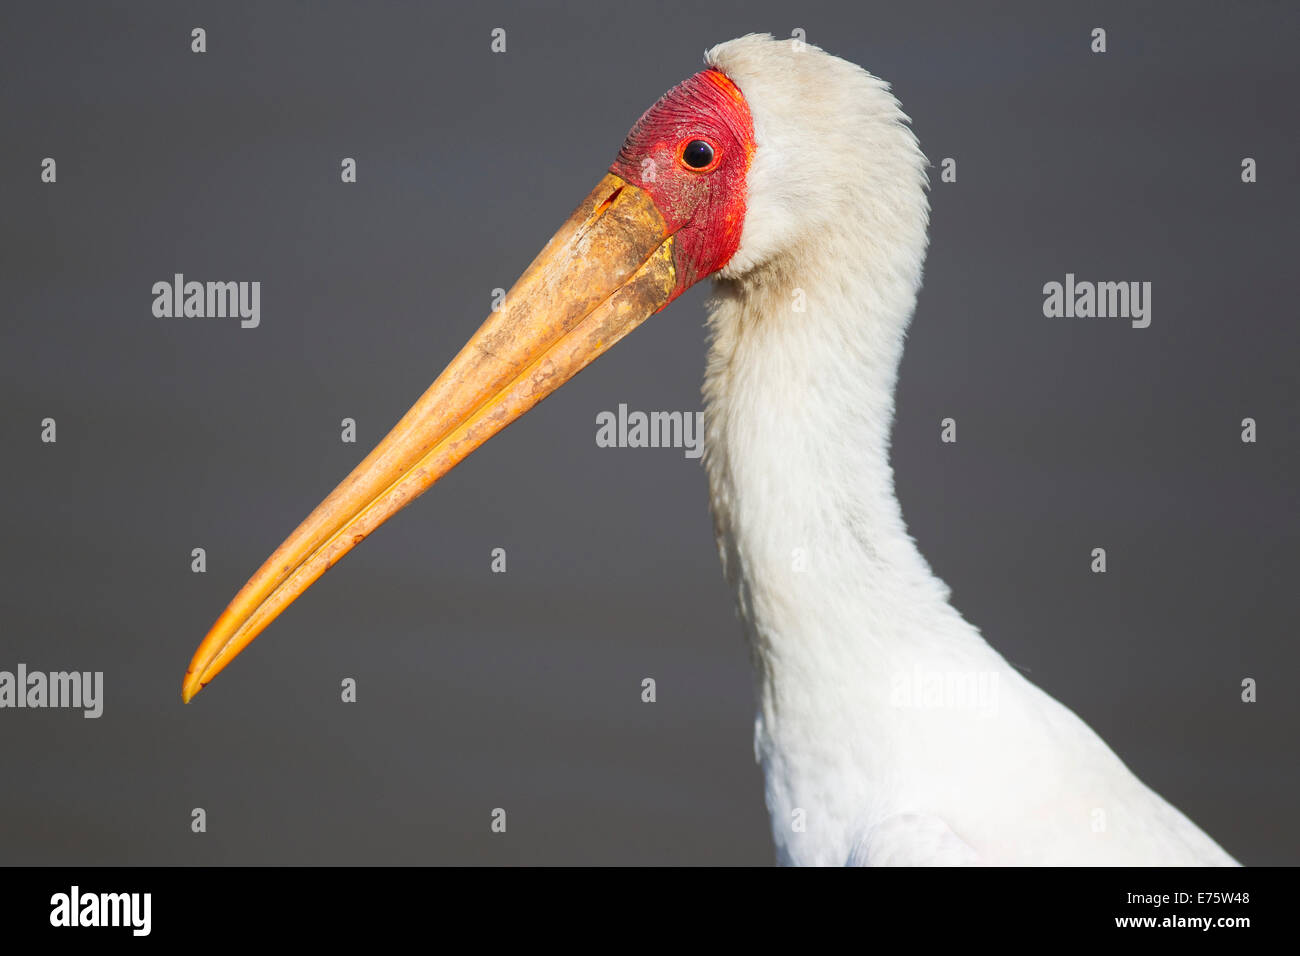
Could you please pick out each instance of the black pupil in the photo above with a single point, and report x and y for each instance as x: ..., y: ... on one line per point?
x: 697, y: 154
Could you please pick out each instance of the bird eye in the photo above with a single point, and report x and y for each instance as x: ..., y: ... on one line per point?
x: 698, y: 154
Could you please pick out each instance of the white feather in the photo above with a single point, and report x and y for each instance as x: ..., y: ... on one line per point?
x: 840, y: 609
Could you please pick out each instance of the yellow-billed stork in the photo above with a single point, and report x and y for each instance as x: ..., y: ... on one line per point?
x: 780, y: 168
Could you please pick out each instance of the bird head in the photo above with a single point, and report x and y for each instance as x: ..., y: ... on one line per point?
x: 690, y: 153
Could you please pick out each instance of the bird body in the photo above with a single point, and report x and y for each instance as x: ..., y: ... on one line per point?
x: 889, y: 731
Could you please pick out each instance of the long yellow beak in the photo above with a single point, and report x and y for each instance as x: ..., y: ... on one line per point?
x: 606, y: 270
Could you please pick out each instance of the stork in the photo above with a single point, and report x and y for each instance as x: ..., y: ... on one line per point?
x: 780, y: 168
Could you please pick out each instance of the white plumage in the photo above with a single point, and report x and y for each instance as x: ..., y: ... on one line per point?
x: 842, y: 613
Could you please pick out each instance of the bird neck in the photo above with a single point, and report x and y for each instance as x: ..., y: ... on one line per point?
x: 799, y: 400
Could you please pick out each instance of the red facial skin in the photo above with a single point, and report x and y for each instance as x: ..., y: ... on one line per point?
x: 704, y: 208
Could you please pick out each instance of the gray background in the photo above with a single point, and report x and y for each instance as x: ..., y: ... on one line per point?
x: 522, y: 690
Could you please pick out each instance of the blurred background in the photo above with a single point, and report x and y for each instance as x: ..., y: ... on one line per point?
x: 522, y: 690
